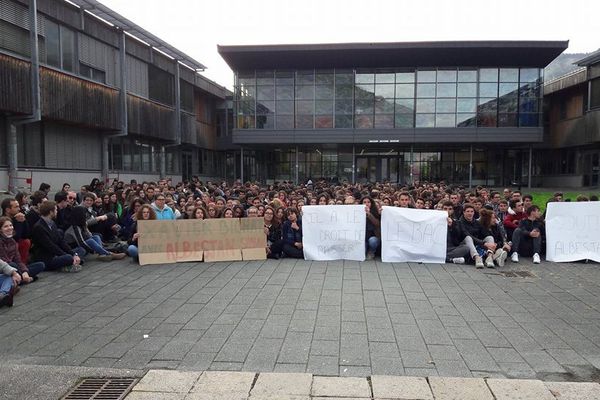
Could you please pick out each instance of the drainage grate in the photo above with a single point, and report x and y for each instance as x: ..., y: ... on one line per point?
x: 101, y: 389
x: 518, y: 274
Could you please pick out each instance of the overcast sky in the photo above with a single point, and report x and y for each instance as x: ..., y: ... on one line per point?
x: 196, y: 27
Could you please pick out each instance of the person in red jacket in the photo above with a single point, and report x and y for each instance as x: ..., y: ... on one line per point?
x: 511, y: 221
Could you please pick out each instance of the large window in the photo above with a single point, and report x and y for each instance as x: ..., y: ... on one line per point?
x: 388, y: 99
x: 60, y: 46
x: 595, y: 93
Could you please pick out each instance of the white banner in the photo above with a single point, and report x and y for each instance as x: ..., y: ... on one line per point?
x: 335, y: 232
x: 413, y: 235
x: 573, y: 231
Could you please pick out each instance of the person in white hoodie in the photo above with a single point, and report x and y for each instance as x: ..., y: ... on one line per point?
x: 9, y: 283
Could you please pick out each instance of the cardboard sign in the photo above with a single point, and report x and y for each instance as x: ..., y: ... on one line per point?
x: 573, y: 231
x: 413, y: 235
x: 335, y: 232
x: 223, y: 239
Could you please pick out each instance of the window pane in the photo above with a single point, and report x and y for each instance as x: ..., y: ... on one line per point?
x: 405, y: 90
x: 284, y: 92
x: 509, y: 88
x: 425, y: 121
x: 385, y: 121
x: 446, y: 90
x: 363, y: 121
x: 365, y: 91
x: 324, y: 121
x: 445, y: 105
x: 305, y: 92
x: 343, y: 91
x: 445, y: 120
x: 529, y: 90
x: 426, y: 105
x: 324, y: 78
x: 509, y: 75
x: 529, y: 75
x: 508, y: 104
x: 285, y: 107
x: 265, y: 107
x: 246, y: 122
x: 467, y: 90
x: 284, y: 78
x: 405, y: 77
x: 265, y: 121
x: 528, y: 104
x: 384, y: 91
x: 488, y: 89
x: 343, y: 121
x: 467, y: 76
x: 384, y: 78
x: 265, y: 93
x: 285, y: 122
x: 526, y: 119
x: 486, y: 104
x: 343, y: 106
x: 304, y: 121
x: 305, y: 106
x: 68, y: 49
x: 426, y: 90
x: 305, y: 78
x: 52, y: 44
x: 344, y: 78
x: 507, y: 120
x: 486, y: 119
x: 404, y: 120
x: 264, y: 77
x: 466, y: 105
x: 384, y: 106
x: 246, y: 107
x: 466, y: 120
x: 324, y: 92
x: 446, y: 76
x: 425, y: 76
x: 324, y: 107
x: 363, y: 107
x: 365, y: 78
x: 488, y: 75
x: 405, y: 106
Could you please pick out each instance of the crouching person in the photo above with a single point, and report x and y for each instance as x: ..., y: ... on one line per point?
x: 9, y: 284
x: 49, y: 245
x: 530, y: 229
x: 471, y: 228
x: 78, y: 235
x: 292, y: 235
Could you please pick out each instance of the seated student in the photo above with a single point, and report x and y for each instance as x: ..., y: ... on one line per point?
x: 9, y: 252
x: 492, y: 228
x: 105, y: 225
x: 456, y: 251
x: 49, y: 246
x: 162, y: 210
x: 63, y: 210
x: 11, y: 209
x: 78, y: 235
x: 145, y: 213
x: 292, y: 235
x: 472, y: 228
x: 511, y: 221
x: 33, y: 215
x: 373, y: 227
x: 529, y: 228
x: 273, y: 233
x: 9, y: 284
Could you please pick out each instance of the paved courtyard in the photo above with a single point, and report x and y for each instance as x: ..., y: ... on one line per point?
x: 325, y: 318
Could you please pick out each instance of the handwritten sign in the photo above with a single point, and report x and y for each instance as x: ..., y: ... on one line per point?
x: 335, y: 232
x: 413, y: 235
x: 226, y: 239
x: 573, y: 231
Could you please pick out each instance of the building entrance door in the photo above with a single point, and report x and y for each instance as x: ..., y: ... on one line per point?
x: 591, y: 169
x: 379, y: 169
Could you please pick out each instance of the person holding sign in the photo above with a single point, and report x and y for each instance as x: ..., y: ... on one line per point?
x: 529, y: 228
x: 373, y: 227
x: 146, y: 212
x: 292, y: 235
x: 273, y: 233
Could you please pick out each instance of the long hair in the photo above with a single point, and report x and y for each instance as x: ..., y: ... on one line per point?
x: 486, y: 217
x: 373, y: 209
x: 139, y: 216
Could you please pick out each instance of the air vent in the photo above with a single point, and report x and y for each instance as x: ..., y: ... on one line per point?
x: 101, y: 389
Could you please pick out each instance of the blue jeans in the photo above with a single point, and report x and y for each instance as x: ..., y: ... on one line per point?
x: 373, y: 244
x: 65, y: 260
x: 34, y: 268
x: 6, y: 283
x: 133, y: 252
x: 95, y: 243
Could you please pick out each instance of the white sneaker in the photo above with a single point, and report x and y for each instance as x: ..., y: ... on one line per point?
x: 502, y: 258
x: 536, y: 258
x: 515, y: 257
x: 458, y: 260
x: 478, y: 262
x: 489, y: 261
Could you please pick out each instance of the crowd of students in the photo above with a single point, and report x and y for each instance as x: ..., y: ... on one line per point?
x: 38, y: 234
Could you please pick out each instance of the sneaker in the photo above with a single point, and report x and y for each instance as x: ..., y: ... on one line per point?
x: 489, y: 261
x: 536, y: 258
x: 502, y: 258
x: 515, y: 257
x: 105, y: 257
x: 478, y: 262
x: 118, y: 256
x: 458, y: 260
x: 370, y: 255
x: 71, y: 268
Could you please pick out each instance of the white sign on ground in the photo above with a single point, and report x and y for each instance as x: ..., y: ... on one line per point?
x: 335, y: 232
x: 413, y: 235
x: 573, y: 231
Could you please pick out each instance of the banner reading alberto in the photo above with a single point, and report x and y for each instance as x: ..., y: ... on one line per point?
x: 196, y: 240
x: 573, y: 231
x: 334, y: 232
x: 413, y: 235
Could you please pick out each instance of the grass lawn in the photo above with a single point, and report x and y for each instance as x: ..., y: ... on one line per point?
x: 540, y: 198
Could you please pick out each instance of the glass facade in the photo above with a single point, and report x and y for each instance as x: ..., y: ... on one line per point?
x: 388, y: 99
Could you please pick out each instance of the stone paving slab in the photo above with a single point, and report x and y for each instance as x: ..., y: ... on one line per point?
x: 338, y: 318
x: 293, y: 386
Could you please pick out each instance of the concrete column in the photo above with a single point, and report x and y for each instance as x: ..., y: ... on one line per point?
x: 529, y: 167
x: 412, y: 163
x: 105, y: 166
x: 35, y: 62
x: 163, y: 162
x: 470, y: 166
x: 12, y: 154
x: 242, y: 165
x: 353, y: 164
x: 297, y: 172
